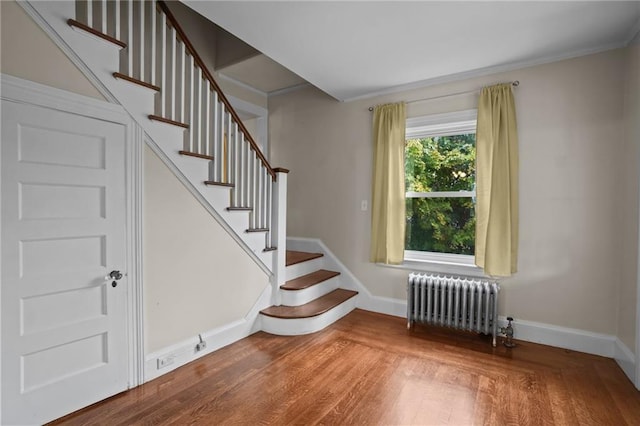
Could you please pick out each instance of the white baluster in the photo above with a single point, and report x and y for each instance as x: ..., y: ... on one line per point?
x: 230, y: 124
x: 230, y: 150
x: 103, y: 15
x: 247, y: 176
x: 190, y: 92
x: 256, y: 190
x: 197, y: 81
x: 129, y: 41
x: 265, y: 196
x: 161, y: 62
x: 253, y: 190
x: 215, y: 132
x: 263, y: 224
x: 219, y: 152
x: 268, y: 207
x: 236, y: 165
x: 182, y: 57
x: 116, y: 5
x: 90, y: 13
x: 152, y: 40
x: 242, y: 173
x: 170, y: 69
x: 140, y: 57
x: 206, y: 119
x: 171, y: 73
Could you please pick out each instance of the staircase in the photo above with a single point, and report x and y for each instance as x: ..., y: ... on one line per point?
x: 138, y: 54
x: 311, y: 297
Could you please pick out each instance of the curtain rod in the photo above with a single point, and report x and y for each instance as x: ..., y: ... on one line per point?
x: 515, y: 83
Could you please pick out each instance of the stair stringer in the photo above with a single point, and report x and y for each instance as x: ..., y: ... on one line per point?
x: 98, y: 59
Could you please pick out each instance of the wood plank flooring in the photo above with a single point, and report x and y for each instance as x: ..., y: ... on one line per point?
x: 367, y: 369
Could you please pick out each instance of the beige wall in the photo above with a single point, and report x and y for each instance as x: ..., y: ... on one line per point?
x: 27, y: 52
x: 196, y: 277
x: 627, y: 319
x: 570, y: 125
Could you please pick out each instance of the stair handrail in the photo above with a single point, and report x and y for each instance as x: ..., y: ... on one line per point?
x: 192, y: 51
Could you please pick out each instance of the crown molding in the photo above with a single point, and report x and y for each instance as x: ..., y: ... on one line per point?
x: 481, y: 72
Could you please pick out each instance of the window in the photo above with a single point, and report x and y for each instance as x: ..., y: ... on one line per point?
x: 440, y: 163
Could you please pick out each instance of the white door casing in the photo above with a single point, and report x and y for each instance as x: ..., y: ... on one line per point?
x: 69, y: 338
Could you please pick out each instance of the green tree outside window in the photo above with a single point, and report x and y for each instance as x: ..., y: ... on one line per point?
x: 440, y: 164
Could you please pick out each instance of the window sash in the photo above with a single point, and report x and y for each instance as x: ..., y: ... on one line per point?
x: 441, y: 194
x: 436, y: 257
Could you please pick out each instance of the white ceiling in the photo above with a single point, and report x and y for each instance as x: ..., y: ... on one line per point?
x: 360, y: 48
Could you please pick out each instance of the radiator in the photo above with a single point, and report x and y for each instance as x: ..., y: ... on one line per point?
x: 456, y: 302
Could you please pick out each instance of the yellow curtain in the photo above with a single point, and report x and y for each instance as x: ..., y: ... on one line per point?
x: 497, y: 182
x: 388, y: 198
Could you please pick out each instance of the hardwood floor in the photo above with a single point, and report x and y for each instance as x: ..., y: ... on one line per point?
x: 368, y: 369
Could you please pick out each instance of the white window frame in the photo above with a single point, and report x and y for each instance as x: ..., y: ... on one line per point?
x: 447, y: 124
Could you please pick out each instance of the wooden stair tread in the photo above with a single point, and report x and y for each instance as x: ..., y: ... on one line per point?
x: 314, y: 308
x: 125, y: 77
x: 294, y: 257
x: 214, y: 183
x: 309, y: 280
x: 196, y: 155
x: 257, y: 230
x: 154, y: 117
x: 88, y: 29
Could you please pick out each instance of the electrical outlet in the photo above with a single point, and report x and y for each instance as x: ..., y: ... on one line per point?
x: 201, y: 346
x: 167, y: 360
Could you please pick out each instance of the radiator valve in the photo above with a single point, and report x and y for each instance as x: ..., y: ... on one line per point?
x: 508, y: 332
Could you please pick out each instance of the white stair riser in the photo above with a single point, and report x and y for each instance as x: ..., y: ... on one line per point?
x: 299, y: 326
x: 300, y: 297
x: 139, y: 99
x: 266, y: 257
x: 304, y: 268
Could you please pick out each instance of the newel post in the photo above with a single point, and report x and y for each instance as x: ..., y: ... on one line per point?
x: 279, y: 231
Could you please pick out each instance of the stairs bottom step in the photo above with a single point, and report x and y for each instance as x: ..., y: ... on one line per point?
x: 310, y: 317
x: 311, y: 309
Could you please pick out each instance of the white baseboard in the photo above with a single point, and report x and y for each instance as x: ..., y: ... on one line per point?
x: 562, y: 337
x: 547, y: 334
x: 625, y: 359
x: 184, y: 352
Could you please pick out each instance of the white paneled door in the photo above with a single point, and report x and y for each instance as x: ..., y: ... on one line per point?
x: 63, y: 321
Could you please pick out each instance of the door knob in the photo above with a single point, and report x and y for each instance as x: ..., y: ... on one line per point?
x: 115, y: 276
